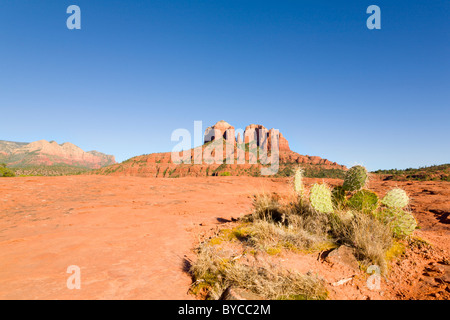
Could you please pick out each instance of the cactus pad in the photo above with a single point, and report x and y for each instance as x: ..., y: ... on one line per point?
x: 396, y: 198
x: 298, y: 181
x: 338, y: 197
x: 402, y: 222
x: 355, y: 178
x: 364, y: 200
x: 320, y: 198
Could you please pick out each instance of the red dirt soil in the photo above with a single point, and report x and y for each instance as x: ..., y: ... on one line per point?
x: 130, y: 235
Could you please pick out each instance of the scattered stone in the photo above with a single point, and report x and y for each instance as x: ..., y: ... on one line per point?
x: 232, y: 293
x: 344, y: 256
x: 435, y: 295
x: 341, y: 282
x: 446, y: 271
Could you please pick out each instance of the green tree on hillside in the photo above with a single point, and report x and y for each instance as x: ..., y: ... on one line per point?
x: 5, y: 172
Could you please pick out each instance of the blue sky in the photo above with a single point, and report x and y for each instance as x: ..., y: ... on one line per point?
x: 137, y: 70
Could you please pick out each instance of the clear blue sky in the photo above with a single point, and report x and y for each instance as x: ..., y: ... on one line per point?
x: 137, y: 70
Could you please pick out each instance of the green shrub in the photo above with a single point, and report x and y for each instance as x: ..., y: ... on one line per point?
x: 6, y: 172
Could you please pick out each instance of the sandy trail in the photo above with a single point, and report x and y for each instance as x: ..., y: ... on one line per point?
x: 129, y: 235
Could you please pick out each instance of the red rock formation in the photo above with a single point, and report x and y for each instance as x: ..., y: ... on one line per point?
x: 255, y: 131
x: 239, y: 138
x: 220, y: 129
x: 43, y: 152
x: 161, y: 164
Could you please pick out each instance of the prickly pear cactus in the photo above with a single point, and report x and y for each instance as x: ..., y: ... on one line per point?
x: 338, y: 197
x: 405, y: 225
x: 402, y: 222
x: 396, y: 198
x: 355, y: 178
x: 298, y: 181
x: 320, y: 198
x: 364, y: 200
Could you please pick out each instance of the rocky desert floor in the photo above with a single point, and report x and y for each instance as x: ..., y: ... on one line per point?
x: 133, y: 237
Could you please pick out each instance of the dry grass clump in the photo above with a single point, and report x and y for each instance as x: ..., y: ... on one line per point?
x: 371, y: 238
x: 216, y: 270
x: 292, y: 225
x: 302, y: 227
x: 265, y: 235
x: 268, y: 208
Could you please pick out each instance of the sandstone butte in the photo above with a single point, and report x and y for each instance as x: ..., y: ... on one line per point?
x: 161, y: 164
x: 44, y: 153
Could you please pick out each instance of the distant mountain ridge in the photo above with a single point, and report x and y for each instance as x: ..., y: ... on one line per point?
x: 45, y: 153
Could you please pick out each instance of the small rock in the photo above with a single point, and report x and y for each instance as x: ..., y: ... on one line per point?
x: 232, y: 293
x: 435, y: 295
x: 344, y: 256
x: 446, y: 276
x: 341, y: 282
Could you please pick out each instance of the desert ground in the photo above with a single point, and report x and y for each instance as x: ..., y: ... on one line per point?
x: 132, y: 237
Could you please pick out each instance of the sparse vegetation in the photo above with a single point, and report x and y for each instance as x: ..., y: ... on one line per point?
x: 370, y: 238
x: 430, y: 173
x: 216, y: 270
x: 310, y: 171
x: 351, y: 216
x: 54, y: 170
x: 6, y: 172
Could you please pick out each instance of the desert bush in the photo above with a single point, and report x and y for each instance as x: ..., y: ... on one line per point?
x: 436, y: 172
x: 267, y: 236
x: 215, y: 270
x: 267, y: 207
x: 350, y: 215
x: 311, y: 171
x: 390, y: 210
x: 344, y: 215
x: 371, y: 238
x: 6, y: 172
x: 291, y: 225
x: 304, y: 228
